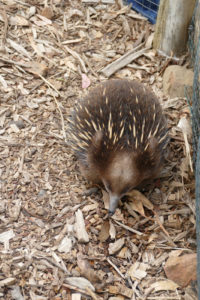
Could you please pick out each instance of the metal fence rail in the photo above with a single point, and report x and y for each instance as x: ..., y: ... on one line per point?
x: 147, y: 8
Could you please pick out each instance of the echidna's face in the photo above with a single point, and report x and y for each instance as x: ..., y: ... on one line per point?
x: 119, y: 178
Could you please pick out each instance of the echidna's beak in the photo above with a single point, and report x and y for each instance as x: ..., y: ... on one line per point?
x: 113, y: 202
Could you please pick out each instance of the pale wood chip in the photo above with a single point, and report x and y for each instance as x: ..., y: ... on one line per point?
x: 116, y: 246
x: 80, y: 282
x: 164, y: 285
x: 7, y: 282
x: 81, y: 232
x: 20, y: 49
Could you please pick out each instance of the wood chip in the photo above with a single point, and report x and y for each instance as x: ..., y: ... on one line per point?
x: 7, y: 282
x: 80, y: 228
x: 138, y: 271
x: 66, y: 245
x: 116, y: 246
x: 80, y: 282
x: 164, y: 285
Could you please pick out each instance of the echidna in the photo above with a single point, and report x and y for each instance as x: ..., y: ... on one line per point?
x: 119, y: 134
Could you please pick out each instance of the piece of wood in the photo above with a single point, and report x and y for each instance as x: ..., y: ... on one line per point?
x: 80, y: 228
x: 123, y: 61
x: 171, y: 33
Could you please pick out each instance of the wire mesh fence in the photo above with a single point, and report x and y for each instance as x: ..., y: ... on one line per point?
x: 148, y: 8
x: 194, y: 101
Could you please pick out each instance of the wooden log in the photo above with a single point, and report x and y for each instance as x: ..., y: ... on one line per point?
x: 171, y: 32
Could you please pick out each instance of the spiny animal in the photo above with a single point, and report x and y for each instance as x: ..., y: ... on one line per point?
x: 119, y: 135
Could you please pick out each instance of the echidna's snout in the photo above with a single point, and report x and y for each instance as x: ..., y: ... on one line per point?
x: 113, y: 203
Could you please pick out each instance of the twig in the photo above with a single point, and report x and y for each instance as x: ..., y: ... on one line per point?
x: 62, y: 119
x: 71, y: 41
x: 115, y: 267
x: 89, y: 66
x: 128, y: 228
x: 49, y: 84
x: 164, y: 230
x: 12, y: 62
x: 76, y: 55
x: 54, y: 263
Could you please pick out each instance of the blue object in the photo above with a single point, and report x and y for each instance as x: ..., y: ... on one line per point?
x: 147, y: 8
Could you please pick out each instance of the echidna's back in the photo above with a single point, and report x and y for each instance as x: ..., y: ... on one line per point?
x: 125, y: 111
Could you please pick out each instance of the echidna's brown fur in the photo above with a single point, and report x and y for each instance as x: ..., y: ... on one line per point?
x: 119, y: 135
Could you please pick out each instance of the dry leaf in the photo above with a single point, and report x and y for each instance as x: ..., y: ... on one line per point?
x: 86, y: 270
x: 136, y: 195
x: 104, y: 233
x: 137, y: 205
x: 182, y: 269
x: 124, y: 253
x: 105, y: 199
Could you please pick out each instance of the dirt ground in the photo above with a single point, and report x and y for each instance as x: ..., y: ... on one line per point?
x: 56, y: 241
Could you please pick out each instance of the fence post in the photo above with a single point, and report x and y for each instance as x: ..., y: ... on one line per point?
x: 171, y: 32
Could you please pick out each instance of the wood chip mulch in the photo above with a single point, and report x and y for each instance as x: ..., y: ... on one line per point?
x: 56, y: 241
